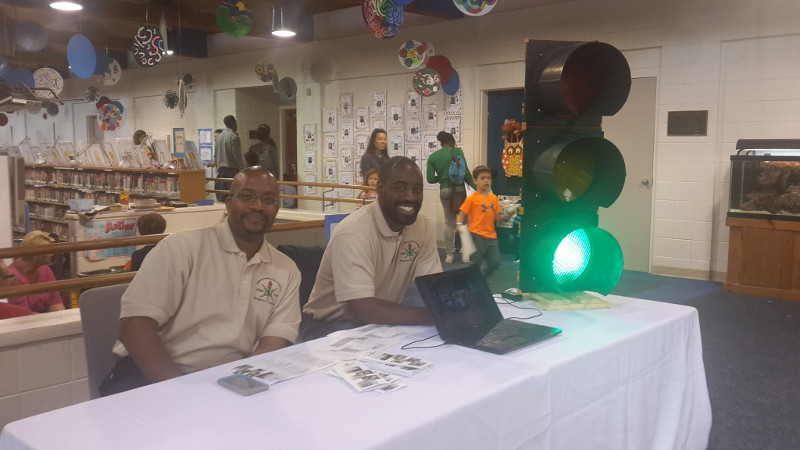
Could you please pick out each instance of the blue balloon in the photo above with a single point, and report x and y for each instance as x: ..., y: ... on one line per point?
x: 81, y: 56
x: 451, y: 86
x: 102, y: 61
x: 20, y: 75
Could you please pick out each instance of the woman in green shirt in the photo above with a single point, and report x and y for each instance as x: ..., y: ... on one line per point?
x: 438, y: 172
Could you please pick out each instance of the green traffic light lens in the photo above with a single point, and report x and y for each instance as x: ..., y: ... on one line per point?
x: 572, y: 257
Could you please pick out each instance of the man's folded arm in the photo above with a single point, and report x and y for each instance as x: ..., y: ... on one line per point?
x: 373, y: 310
x: 141, y: 339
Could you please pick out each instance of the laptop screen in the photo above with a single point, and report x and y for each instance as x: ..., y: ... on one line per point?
x: 461, y: 304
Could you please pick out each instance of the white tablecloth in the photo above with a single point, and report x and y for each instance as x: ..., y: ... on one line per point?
x: 628, y: 377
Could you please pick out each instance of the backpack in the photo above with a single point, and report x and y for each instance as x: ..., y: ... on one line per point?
x: 457, y: 169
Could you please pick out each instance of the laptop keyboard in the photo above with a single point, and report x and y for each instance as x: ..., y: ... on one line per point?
x: 504, y: 329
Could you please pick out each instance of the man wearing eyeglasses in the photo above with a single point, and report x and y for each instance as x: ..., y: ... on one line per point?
x: 210, y: 296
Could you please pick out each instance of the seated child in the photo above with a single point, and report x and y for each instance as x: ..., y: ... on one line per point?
x: 150, y: 223
x: 370, y: 180
x: 483, y: 210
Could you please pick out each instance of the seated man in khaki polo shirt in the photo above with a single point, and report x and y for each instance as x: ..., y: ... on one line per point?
x: 210, y: 296
x: 372, y: 258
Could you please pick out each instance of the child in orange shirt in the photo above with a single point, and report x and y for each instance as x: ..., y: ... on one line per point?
x: 483, y: 210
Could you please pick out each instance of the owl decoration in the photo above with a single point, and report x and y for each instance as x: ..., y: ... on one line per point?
x: 512, y: 148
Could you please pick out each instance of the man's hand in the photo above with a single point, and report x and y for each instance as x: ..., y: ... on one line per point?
x: 140, y: 336
x: 270, y: 343
x: 372, y: 310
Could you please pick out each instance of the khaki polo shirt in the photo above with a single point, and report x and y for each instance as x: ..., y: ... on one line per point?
x: 211, y: 304
x: 365, y: 258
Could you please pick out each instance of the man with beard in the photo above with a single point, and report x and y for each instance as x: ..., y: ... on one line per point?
x: 372, y: 258
x: 210, y: 296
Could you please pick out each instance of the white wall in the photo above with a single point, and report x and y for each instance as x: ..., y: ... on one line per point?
x: 736, y: 58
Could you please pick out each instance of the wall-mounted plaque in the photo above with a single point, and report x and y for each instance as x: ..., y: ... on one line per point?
x: 687, y: 123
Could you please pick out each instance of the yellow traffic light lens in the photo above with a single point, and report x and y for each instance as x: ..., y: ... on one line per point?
x: 573, y: 173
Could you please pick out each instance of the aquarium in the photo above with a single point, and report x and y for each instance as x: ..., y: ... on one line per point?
x: 765, y: 180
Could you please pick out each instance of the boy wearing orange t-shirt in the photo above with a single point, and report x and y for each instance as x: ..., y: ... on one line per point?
x: 483, y: 210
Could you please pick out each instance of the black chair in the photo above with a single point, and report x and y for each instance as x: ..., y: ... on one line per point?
x: 307, y: 259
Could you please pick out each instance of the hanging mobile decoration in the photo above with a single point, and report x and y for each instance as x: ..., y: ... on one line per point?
x: 426, y: 82
x: 286, y: 89
x: 91, y: 94
x: 111, y: 75
x: 109, y: 117
x: 234, y: 19
x: 265, y: 71
x: 50, y: 79
x: 31, y: 36
x: 148, y: 46
x: 3, y: 120
x: 475, y: 7
x: 170, y: 98
x: 188, y: 81
x: 182, y: 100
x: 383, y: 17
x: 413, y: 54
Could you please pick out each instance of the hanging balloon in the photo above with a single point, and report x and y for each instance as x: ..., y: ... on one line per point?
x: 441, y: 65
x: 234, y: 19
x: 450, y: 87
x: 20, y: 75
x: 475, y: 7
x: 50, y: 79
x: 426, y: 82
x: 111, y: 75
x: 91, y: 94
x: 31, y: 36
x: 413, y: 53
x: 52, y: 109
x: 148, y: 47
x: 81, y: 56
x: 383, y: 17
x: 170, y: 99
x: 3, y: 120
x: 102, y: 101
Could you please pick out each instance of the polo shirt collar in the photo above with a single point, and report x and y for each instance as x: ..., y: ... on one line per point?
x: 229, y: 243
x: 380, y: 221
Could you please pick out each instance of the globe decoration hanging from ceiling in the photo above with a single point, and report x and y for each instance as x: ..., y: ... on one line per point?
x: 234, y: 19
x: 475, y: 7
x: 148, y: 46
x: 383, y: 17
x: 31, y: 36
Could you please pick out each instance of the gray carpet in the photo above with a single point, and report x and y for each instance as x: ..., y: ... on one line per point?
x: 751, y: 350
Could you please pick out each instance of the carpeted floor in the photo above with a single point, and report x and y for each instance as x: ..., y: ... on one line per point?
x: 751, y: 350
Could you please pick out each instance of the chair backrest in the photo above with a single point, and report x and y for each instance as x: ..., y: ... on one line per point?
x: 100, y: 309
x: 307, y: 259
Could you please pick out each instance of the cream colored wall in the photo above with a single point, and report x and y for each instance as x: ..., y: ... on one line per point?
x: 735, y: 58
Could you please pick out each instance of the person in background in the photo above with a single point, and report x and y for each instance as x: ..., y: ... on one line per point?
x: 140, y: 138
x: 251, y: 158
x: 371, y: 180
x: 483, y: 210
x: 288, y: 189
x: 150, y: 223
x: 376, y: 153
x: 8, y: 311
x: 209, y: 296
x: 266, y: 151
x: 373, y: 257
x: 228, y: 156
x: 34, y: 269
x: 438, y: 171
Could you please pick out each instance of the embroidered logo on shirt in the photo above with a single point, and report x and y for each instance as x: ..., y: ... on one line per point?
x: 267, y: 290
x: 487, y: 207
x: 409, y: 251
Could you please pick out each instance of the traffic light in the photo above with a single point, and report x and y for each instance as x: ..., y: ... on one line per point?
x: 569, y: 169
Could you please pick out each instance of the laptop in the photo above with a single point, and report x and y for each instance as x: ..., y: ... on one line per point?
x: 465, y: 313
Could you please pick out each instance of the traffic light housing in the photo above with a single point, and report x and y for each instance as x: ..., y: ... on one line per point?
x: 569, y: 169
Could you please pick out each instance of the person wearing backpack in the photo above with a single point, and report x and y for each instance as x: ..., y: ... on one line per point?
x: 448, y: 167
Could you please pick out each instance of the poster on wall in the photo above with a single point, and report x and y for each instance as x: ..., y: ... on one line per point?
x: 329, y: 120
x: 362, y: 118
x: 452, y: 124
x: 413, y: 130
x: 109, y: 229
x: 310, y: 135
x: 346, y: 106
x: 429, y: 144
x: 346, y: 132
x: 378, y: 106
x: 452, y: 103
x: 362, y: 140
x: 396, y: 144
x: 309, y: 160
x: 359, y: 178
x: 430, y: 119
x: 413, y: 103
x: 310, y: 177
x: 379, y: 124
x: 346, y: 178
x: 330, y: 171
x: 330, y: 146
x: 205, y: 140
x: 396, y: 117
x: 346, y: 159
x: 179, y: 142
x: 414, y: 153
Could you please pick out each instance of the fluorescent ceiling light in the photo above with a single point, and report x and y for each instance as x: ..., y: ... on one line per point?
x: 66, y: 6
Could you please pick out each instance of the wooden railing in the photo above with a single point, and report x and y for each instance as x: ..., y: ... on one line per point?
x: 102, y: 280
x: 308, y: 197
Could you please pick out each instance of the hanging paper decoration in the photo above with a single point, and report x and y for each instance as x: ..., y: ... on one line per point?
x: 286, y: 89
x: 110, y: 76
x: 170, y: 98
x: 119, y: 106
x: 109, y: 117
x: 512, y: 148
x: 383, y: 17
x: 413, y: 54
x: 426, y: 82
x: 3, y: 120
x: 81, y: 56
x: 265, y: 71
x: 31, y: 36
x: 450, y: 87
x: 50, y: 79
x: 442, y: 66
x: 475, y: 7
x: 102, y: 101
x: 182, y: 100
x: 234, y: 19
x: 188, y: 81
x: 91, y: 94
x: 52, y: 109
x: 148, y: 46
